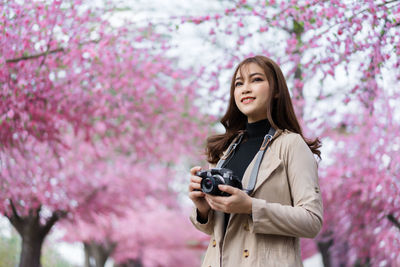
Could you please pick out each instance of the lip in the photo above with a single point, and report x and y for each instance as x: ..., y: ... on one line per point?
x: 251, y: 98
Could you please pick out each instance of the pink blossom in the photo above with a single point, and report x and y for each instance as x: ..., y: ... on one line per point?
x: 10, y: 114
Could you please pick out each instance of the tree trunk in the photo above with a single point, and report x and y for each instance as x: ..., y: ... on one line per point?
x: 32, y: 233
x: 96, y: 254
x: 365, y: 264
x: 298, y: 93
x: 88, y: 262
x: 32, y: 241
x: 130, y: 263
x: 323, y: 248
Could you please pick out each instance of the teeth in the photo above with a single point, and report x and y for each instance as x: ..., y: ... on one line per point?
x: 247, y: 99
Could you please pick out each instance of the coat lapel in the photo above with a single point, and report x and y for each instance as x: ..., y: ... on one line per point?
x: 266, y: 169
x: 269, y: 163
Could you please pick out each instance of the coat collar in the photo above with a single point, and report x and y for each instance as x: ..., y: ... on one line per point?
x: 277, y: 133
x: 269, y: 163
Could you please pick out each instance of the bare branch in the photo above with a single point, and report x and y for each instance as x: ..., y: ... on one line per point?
x: 57, y: 215
x: 355, y: 15
x: 13, y: 60
x: 393, y: 220
x: 15, y: 219
x: 44, y: 54
x: 14, y: 210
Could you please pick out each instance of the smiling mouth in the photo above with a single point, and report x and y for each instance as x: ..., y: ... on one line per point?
x: 247, y: 100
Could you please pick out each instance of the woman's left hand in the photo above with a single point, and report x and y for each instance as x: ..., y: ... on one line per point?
x: 238, y: 202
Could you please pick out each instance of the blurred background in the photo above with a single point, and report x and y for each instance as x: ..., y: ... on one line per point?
x: 106, y: 105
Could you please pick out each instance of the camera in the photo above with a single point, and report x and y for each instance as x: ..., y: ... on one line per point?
x: 214, y: 177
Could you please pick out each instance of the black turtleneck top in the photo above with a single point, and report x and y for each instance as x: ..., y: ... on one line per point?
x: 246, y: 150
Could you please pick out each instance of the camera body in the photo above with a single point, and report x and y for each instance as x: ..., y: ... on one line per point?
x: 214, y: 177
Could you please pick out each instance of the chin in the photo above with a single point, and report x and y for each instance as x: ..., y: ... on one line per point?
x: 247, y: 113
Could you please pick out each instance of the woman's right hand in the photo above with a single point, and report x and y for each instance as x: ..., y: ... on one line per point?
x: 196, y: 195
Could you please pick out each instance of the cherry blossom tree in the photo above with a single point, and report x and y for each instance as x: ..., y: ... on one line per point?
x: 164, y: 237
x: 73, y: 82
x: 84, y: 104
x: 150, y: 233
x: 341, y: 60
x: 362, y: 222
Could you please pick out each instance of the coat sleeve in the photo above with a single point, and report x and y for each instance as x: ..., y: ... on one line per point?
x: 304, y: 218
x: 206, y: 227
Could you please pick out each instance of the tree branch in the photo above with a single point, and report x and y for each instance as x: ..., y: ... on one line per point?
x: 14, y: 210
x: 44, y: 54
x: 57, y: 215
x: 353, y: 16
x: 15, y: 219
x: 393, y: 220
x: 380, y: 5
x: 13, y: 60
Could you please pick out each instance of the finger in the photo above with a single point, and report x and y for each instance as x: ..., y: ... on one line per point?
x: 228, y: 189
x: 195, y: 169
x: 195, y: 179
x: 196, y: 194
x: 194, y: 186
x: 215, y: 205
x: 210, y: 202
x: 216, y: 199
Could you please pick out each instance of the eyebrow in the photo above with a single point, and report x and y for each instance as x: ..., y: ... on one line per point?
x: 251, y: 75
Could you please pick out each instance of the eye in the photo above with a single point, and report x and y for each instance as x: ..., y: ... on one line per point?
x: 238, y: 84
x: 258, y: 79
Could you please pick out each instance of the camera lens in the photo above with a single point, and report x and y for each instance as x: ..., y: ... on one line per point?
x: 214, y: 177
x: 207, y: 185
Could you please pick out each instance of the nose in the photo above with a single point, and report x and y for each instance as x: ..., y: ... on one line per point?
x: 246, y: 88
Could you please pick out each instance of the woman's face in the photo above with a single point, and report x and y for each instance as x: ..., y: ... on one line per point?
x: 251, y: 92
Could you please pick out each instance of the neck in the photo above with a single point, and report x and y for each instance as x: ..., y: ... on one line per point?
x: 252, y: 119
x: 258, y: 128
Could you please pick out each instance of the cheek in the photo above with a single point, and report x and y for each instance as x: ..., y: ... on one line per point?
x: 264, y: 92
x: 236, y: 95
x: 265, y: 101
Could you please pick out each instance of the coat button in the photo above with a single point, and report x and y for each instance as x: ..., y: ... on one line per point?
x: 214, y: 244
x: 246, y: 227
x: 245, y: 253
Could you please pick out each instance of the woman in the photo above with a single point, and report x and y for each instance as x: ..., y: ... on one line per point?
x: 261, y: 228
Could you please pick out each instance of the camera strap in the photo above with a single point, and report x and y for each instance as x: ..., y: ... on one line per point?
x: 231, y: 150
x: 260, y: 154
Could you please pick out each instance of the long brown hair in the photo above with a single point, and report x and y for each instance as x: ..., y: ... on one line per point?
x: 280, y: 111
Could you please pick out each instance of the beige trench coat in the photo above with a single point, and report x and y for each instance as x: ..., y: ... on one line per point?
x: 286, y: 205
